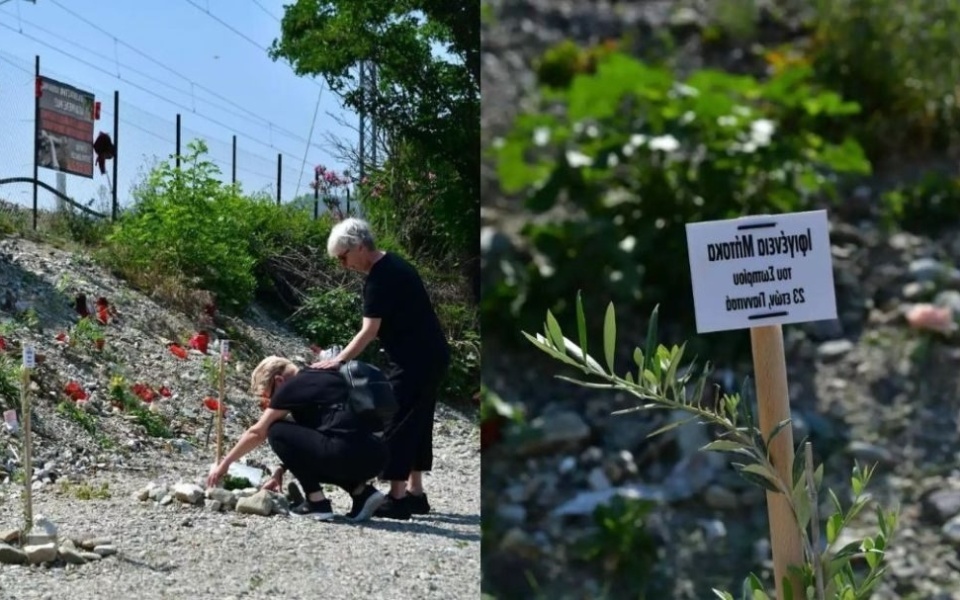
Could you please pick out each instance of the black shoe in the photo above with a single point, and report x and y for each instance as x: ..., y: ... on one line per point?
x: 418, y: 503
x: 394, y: 508
x: 294, y: 495
x: 365, y: 504
x: 321, y: 511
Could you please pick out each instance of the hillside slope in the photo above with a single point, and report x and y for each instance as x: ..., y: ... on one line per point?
x: 93, y: 459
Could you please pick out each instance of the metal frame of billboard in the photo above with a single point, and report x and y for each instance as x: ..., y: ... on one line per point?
x: 64, y: 128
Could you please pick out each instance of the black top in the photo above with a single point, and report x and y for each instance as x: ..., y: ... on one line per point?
x: 409, y: 328
x: 317, y: 399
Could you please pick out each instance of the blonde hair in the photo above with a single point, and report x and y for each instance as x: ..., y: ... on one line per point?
x: 270, y: 367
x: 349, y: 234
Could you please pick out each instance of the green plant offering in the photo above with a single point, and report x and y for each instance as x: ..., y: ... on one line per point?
x: 232, y: 482
x: 656, y: 379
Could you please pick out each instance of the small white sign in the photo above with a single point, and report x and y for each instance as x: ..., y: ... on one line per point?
x: 224, y: 348
x: 10, y: 420
x: 761, y: 270
x: 29, y: 357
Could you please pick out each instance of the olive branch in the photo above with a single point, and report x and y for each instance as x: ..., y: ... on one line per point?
x: 660, y: 383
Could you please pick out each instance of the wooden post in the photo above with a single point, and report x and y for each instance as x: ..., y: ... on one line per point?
x: 28, y: 364
x: 773, y: 404
x: 759, y: 273
x: 224, y: 351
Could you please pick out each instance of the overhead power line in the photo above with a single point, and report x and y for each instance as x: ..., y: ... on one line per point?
x: 169, y: 69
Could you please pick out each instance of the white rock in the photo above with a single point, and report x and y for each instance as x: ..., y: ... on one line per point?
x: 188, y: 493
x: 41, y: 553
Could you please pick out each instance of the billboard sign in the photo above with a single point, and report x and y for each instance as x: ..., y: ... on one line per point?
x: 65, y: 118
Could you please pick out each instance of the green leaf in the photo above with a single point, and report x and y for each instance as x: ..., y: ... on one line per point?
x: 723, y: 595
x: 610, y: 335
x: 834, y: 525
x: 778, y: 429
x: 723, y: 446
x: 759, y: 475
x: 671, y: 426
x: 638, y: 357
x: 651, y: 347
x: 553, y: 331
x: 581, y: 326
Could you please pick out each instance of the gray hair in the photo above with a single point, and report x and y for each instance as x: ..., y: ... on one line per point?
x: 349, y: 234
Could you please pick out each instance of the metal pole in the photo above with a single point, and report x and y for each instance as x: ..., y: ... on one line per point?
x: 348, y: 202
x: 233, y: 178
x: 279, y: 171
x: 178, y: 140
x: 116, y: 146
x: 36, y: 139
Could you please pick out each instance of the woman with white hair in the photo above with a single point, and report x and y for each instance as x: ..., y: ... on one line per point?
x: 323, y: 442
x: 398, y: 311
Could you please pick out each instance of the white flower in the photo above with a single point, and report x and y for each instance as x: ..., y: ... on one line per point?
x: 685, y: 90
x: 578, y: 159
x: 616, y: 276
x: 637, y: 140
x: 667, y: 143
x: 628, y: 243
x: 541, y: 136
x: 688, y: 117
x: 726, y: 121
x: 592, y: 131
x: 761, y: 131
x: 612, y: 160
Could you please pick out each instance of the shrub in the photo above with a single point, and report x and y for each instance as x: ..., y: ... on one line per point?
x: 627, y: 155
x: 925, y: 206
x: 187, y: 223
x: 331, y: 316
x: 900, y: 60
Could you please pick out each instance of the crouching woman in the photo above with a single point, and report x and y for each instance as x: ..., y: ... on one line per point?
x: 323, y: 442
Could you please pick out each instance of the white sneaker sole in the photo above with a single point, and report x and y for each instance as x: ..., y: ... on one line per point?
x: 315, y: 516
x: 370, y: 507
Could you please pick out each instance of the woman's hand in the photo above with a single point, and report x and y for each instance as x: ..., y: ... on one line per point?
x: 216, y: 474
x: 273, y: 484
x: 330, y: 363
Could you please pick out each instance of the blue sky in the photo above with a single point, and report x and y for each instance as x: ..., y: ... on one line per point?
x: 202, y: 58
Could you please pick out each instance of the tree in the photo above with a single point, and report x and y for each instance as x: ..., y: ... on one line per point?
x: 425, y: 97
x: 427, y: 54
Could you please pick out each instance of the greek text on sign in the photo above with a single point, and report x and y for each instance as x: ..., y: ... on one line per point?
x: 29, y: 357
x: 763, y: 270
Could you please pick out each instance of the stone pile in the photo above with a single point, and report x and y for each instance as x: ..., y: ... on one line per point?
x: 44, y: 545
x: 249, y: 501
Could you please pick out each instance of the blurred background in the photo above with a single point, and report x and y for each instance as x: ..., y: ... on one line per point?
x: 606, y: 128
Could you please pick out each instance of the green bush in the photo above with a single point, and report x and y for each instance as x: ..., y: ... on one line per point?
x: 900, y: 60
x: 331, y: 316
x: 187, y: 223
x: 926, y: 206
x: 625, y: 156
x: 416, y: 203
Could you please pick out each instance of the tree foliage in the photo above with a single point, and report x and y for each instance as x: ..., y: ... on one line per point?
x: 424, y: 96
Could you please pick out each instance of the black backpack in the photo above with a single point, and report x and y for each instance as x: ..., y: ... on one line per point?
x: 370, y: 395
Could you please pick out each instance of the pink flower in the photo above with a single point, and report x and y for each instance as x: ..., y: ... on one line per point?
x: 932, y: 318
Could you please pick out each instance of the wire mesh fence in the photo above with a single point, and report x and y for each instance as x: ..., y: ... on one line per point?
x: 143, y: 140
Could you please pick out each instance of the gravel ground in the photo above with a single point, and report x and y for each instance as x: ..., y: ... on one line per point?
x: 179, y: 550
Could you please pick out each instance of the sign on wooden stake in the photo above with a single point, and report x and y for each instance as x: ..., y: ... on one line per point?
x: 760, y: 273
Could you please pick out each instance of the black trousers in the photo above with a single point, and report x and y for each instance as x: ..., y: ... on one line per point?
x: 410, y: 434
x: 316, y: 457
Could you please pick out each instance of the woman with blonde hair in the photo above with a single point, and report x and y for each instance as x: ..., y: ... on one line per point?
x: 323, y: 441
